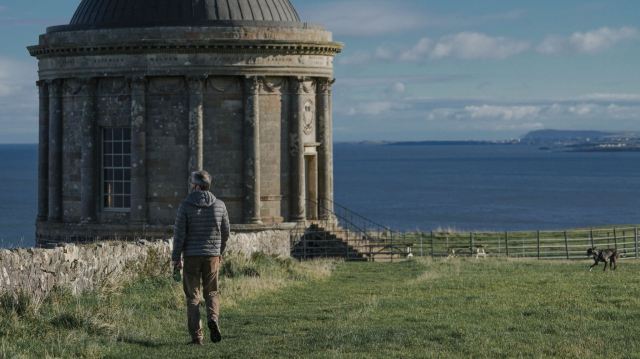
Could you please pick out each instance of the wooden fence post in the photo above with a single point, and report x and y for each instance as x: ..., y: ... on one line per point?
x: 538, y: 244
x: 566, y: 243
x: 432, y: 248
x: 635, y: 235
x: 591, y: 238
x: 615, y: 239
x: 506, y: 242
x: 471, y: 244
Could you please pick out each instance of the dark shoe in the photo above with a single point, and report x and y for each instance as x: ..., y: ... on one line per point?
x: 214, y: 328
x: 196, y: 342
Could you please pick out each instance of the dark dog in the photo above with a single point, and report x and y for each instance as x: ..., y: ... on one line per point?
x: 604, y: 256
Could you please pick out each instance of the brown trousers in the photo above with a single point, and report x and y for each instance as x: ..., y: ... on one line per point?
x: 195, y: 270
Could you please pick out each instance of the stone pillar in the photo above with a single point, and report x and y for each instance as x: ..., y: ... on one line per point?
x: 298, y: 202
x: 88, y: 169
x: 325, y: 152
x: 55, y: 151
x: 196, y: 119
x: 138, y: 150
x: 252, y: 150
x: 43, y: 152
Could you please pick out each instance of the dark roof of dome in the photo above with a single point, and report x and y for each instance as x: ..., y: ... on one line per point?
x: 97, y: 14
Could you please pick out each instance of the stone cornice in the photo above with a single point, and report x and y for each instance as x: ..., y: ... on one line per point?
x: 240, y: 47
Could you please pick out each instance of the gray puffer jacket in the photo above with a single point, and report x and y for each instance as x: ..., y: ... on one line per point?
x: 202, y: 226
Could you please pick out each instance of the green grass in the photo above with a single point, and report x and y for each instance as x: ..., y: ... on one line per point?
x: 495, y: 308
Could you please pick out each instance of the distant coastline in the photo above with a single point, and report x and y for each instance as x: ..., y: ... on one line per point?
x: 546, y: 140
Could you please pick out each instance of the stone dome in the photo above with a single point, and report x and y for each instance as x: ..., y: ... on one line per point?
x: 100, y: 14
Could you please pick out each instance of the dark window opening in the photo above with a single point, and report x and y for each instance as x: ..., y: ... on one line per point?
x: 116, y: 168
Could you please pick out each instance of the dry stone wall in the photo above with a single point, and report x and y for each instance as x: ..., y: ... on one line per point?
x: 37, y: 271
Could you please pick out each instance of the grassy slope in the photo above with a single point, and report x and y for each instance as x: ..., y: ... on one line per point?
x: 458, y: 308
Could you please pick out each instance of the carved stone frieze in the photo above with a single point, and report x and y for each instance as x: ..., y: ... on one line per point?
x: 224, y: 84
x: 273, y: 84
x: 73, y: 87
x: 303, y: 85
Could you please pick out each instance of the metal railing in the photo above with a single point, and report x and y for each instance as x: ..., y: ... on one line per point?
x: 567, y: 245
x: 341, y: 232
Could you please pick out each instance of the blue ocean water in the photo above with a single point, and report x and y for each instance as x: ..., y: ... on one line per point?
x: 476, y: 187
x: 18, y: 194
x: 465, y: 187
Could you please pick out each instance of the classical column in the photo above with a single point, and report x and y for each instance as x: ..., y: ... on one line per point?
x: 252, y: 150
x: 88, y: 170
x: 298, y: 205
x: 43, y: 152
x: 55, y: 151
x: 196, y: 119
x: 138, y: 150
x: 325, y: 152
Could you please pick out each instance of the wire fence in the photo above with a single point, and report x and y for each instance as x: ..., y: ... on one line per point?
x: 571, y: 244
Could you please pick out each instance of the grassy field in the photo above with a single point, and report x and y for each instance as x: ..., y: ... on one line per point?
x: 496, y: 308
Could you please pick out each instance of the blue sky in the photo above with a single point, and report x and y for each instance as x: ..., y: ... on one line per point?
x: 413, y: 70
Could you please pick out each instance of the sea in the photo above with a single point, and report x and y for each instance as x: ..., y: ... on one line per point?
x: 425, y: 187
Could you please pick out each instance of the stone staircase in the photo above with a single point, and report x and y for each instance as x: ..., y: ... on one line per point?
x: 328, y: 240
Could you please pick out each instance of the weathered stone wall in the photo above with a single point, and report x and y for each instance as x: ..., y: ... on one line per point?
x: 274, y: 152
x: 72, y: 105
x: 275, y: 242
x: 167, y: 147
x: 223, y: 141
x: 36, y: 272
x: 85, y: 267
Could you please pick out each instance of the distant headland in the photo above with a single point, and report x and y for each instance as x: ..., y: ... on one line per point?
x: 549, y: 140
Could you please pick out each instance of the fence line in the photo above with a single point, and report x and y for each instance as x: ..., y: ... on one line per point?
x: 539, y: 244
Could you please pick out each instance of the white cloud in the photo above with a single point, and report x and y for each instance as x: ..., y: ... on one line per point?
x: 589, y: 42
x: 372, y: 108
x: 612, y: 97
x: 14, y: 76
x: 398, y: 88
x: 582, y: 109
x: 356, y: 58
x: 507, y: 113
x: 420, y: 51
x: 464, y: 45
x: 365, y: 18
x: 601, y: 39
x: 18, y: 101
x: 552, y: 45
x: 384, y: 53
x: 472, y: 45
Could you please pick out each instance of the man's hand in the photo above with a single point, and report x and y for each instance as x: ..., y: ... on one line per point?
x: 177, y: 264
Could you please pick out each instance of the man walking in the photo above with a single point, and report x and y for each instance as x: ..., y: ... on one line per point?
x: 201, y: 234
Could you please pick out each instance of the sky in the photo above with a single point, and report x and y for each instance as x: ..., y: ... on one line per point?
x: 421, y: 69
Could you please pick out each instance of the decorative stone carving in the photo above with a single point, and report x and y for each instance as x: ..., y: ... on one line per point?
x: 308, y: 117
x: 72, y: 87
x: 224, y: 84
x: 273, y: 85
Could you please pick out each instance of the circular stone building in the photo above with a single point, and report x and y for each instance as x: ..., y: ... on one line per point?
x: 136, y: 94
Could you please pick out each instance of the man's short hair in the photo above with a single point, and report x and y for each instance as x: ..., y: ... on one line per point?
x: 201, y: 179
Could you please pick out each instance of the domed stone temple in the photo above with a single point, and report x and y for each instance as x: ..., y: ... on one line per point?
x: 136, y: 94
